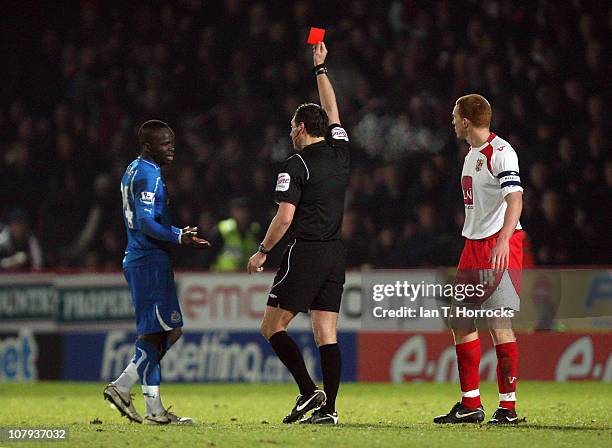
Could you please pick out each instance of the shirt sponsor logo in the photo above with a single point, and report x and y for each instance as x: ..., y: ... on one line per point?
x: 283, y: 181
x: 339, y: 134
x: 147, y: 197
x: 468, y: 192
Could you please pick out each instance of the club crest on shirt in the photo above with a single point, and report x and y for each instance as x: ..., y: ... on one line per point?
x: 175, y: 317
x: 479, y: 164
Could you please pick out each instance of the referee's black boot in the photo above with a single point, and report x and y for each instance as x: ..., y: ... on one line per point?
x: 304, y: 404
x: 319, y: 417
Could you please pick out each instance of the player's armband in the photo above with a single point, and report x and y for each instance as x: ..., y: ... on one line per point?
x: 510, y: 181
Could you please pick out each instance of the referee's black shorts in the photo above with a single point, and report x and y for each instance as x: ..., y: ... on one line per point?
x: 311, y: 277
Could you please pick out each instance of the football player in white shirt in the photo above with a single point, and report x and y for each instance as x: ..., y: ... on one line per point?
x: 491, y: 259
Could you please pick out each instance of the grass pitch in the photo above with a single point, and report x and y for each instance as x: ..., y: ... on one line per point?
x: 372, y: 415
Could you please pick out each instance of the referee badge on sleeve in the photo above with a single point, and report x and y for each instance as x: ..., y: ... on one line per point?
x: 339, y: 133
x: 283, y: 181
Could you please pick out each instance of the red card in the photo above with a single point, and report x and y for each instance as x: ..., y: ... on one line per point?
x: 316, y: 35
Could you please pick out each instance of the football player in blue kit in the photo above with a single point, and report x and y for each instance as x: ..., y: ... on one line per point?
x: 148, y: 271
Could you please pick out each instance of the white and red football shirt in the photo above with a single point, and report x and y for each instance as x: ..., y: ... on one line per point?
x: 490, y: 172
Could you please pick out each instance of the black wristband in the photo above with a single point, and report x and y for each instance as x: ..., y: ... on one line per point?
x: 262, y: 249
x: 319, y: 69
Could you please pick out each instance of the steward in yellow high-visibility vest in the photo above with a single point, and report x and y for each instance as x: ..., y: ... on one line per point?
x: 237, y: 246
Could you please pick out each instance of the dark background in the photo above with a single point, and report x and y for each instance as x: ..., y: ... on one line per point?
x: 78, y: 78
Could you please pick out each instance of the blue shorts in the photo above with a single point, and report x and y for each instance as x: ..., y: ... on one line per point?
x: 154, y: 297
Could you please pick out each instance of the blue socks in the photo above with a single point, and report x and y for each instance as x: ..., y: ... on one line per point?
x: 149, y: 371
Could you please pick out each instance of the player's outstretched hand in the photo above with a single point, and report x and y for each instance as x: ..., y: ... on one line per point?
x: 256, y: 262
x: 189, y: 237
x: 319, y: 53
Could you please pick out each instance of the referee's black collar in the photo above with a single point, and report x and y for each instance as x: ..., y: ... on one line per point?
x: 317, y: 145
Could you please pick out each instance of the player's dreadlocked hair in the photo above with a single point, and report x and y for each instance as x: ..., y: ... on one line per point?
x: 314, y: 118
x: 148, y: 127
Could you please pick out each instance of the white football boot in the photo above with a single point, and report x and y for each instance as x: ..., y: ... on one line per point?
x: 122, y: 402
x: 167, y: 418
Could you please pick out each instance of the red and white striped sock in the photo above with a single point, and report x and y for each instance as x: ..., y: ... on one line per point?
x: 507, y: 362
x: 468, y: 362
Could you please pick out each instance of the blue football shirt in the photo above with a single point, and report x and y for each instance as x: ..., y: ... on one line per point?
x: 144, y: 194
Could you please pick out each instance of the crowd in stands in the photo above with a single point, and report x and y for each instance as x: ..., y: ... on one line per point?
x: 228, y: 75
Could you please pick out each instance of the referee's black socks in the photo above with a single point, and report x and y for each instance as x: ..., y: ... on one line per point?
x: 331, y: 366
x: 289, y: 353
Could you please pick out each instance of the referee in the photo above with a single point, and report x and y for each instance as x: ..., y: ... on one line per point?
x: 310, y: 193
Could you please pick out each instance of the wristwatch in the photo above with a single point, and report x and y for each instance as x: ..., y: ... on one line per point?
x: 262, y: 249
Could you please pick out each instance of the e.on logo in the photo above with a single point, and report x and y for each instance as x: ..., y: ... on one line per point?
x: 579, y: 362
x: 468, y: 192
x: 431, y: 358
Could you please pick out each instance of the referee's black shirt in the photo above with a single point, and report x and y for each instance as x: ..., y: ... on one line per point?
x: 315, y: 181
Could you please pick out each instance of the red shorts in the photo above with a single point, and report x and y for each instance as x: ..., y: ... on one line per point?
x: 475, y: 265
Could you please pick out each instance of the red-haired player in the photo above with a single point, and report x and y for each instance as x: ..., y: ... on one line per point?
x: 492, y: 257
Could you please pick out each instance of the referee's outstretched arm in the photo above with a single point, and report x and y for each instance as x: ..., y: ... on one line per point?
x: 326, y: 91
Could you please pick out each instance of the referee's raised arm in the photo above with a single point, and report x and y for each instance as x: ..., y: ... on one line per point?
x: 326, y: 91
x: 311, y: 191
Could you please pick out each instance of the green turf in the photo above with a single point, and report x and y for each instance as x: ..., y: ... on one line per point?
x: 570, y: 414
